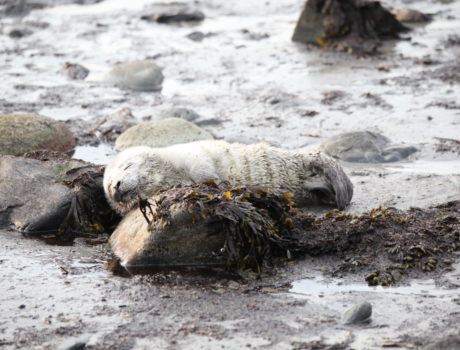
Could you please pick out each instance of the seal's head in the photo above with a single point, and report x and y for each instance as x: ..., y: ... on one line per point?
x: 129, y: 177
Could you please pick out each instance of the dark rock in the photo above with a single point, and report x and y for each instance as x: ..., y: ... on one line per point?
x: 181, y: 16
x: 20, y: 133
x: 346, y: 25
x: 365, y: 147
x: 56, y: 195
x: 75, y: 71
x: 360, y: 313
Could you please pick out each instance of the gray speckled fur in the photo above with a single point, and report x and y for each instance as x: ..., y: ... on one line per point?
x: 142, y: 171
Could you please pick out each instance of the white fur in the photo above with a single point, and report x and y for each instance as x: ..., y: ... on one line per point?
x: 142, y: 171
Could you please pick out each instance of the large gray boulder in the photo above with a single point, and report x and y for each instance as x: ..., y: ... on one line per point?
x: 161, y: 133
x: 20, y: 133
x: 137, y: 75
x: 365, y: 147
x: 51, y: 196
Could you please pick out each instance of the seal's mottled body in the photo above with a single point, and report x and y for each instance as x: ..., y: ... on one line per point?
x: 142, y: 171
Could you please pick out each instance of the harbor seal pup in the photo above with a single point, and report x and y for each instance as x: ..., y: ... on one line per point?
x: 139, y: 172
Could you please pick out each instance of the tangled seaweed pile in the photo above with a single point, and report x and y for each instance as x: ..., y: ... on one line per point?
x: 256, y: 225
x: 387, y: 243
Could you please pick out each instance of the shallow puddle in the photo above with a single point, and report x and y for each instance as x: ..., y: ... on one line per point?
x: 323, y: 287
x: 101, y: 154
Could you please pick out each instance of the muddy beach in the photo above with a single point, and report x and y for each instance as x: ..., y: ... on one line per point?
x: 238, y: 70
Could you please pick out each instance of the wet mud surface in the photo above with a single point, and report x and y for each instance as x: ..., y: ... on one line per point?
x: 258, y: 86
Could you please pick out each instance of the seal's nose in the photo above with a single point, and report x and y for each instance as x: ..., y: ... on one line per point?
x: 117, y: 193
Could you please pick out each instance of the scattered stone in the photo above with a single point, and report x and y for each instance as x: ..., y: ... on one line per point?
x: 365, y: 147
x: 106, y: 129
x: 209, y: 122
x: 451, y: 342
x: 183, y: 113
x: 309, y: 113
x: 178, y: 17
x: 137, y: 75
x: 161, y: 133
x: 375, y: 101
x: 346, y: 25
x: 453, y: 40
x: 255, y: 36
x: 406, y: 15
x: 449, y: 73
x: 56, y: 195
x: 20, y: 133
x: 75, y: 71
x: 331, y: 97
x: 358, y: 314
x: 198, y: 36
x: 18, y: 33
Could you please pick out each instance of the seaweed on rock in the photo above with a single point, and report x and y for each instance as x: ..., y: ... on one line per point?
x: 256, y: 225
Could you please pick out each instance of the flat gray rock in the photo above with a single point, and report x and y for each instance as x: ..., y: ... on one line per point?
x: 137, y: 75
x: 161, y: 133
x: 365, y: 147
x: 183, y: 113
x: 360, y: 313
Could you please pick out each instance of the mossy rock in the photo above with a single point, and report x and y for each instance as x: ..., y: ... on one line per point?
x: 20, y: 133
x: 161, y: 133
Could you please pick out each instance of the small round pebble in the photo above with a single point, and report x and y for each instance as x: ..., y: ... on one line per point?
x: 360, y: 313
